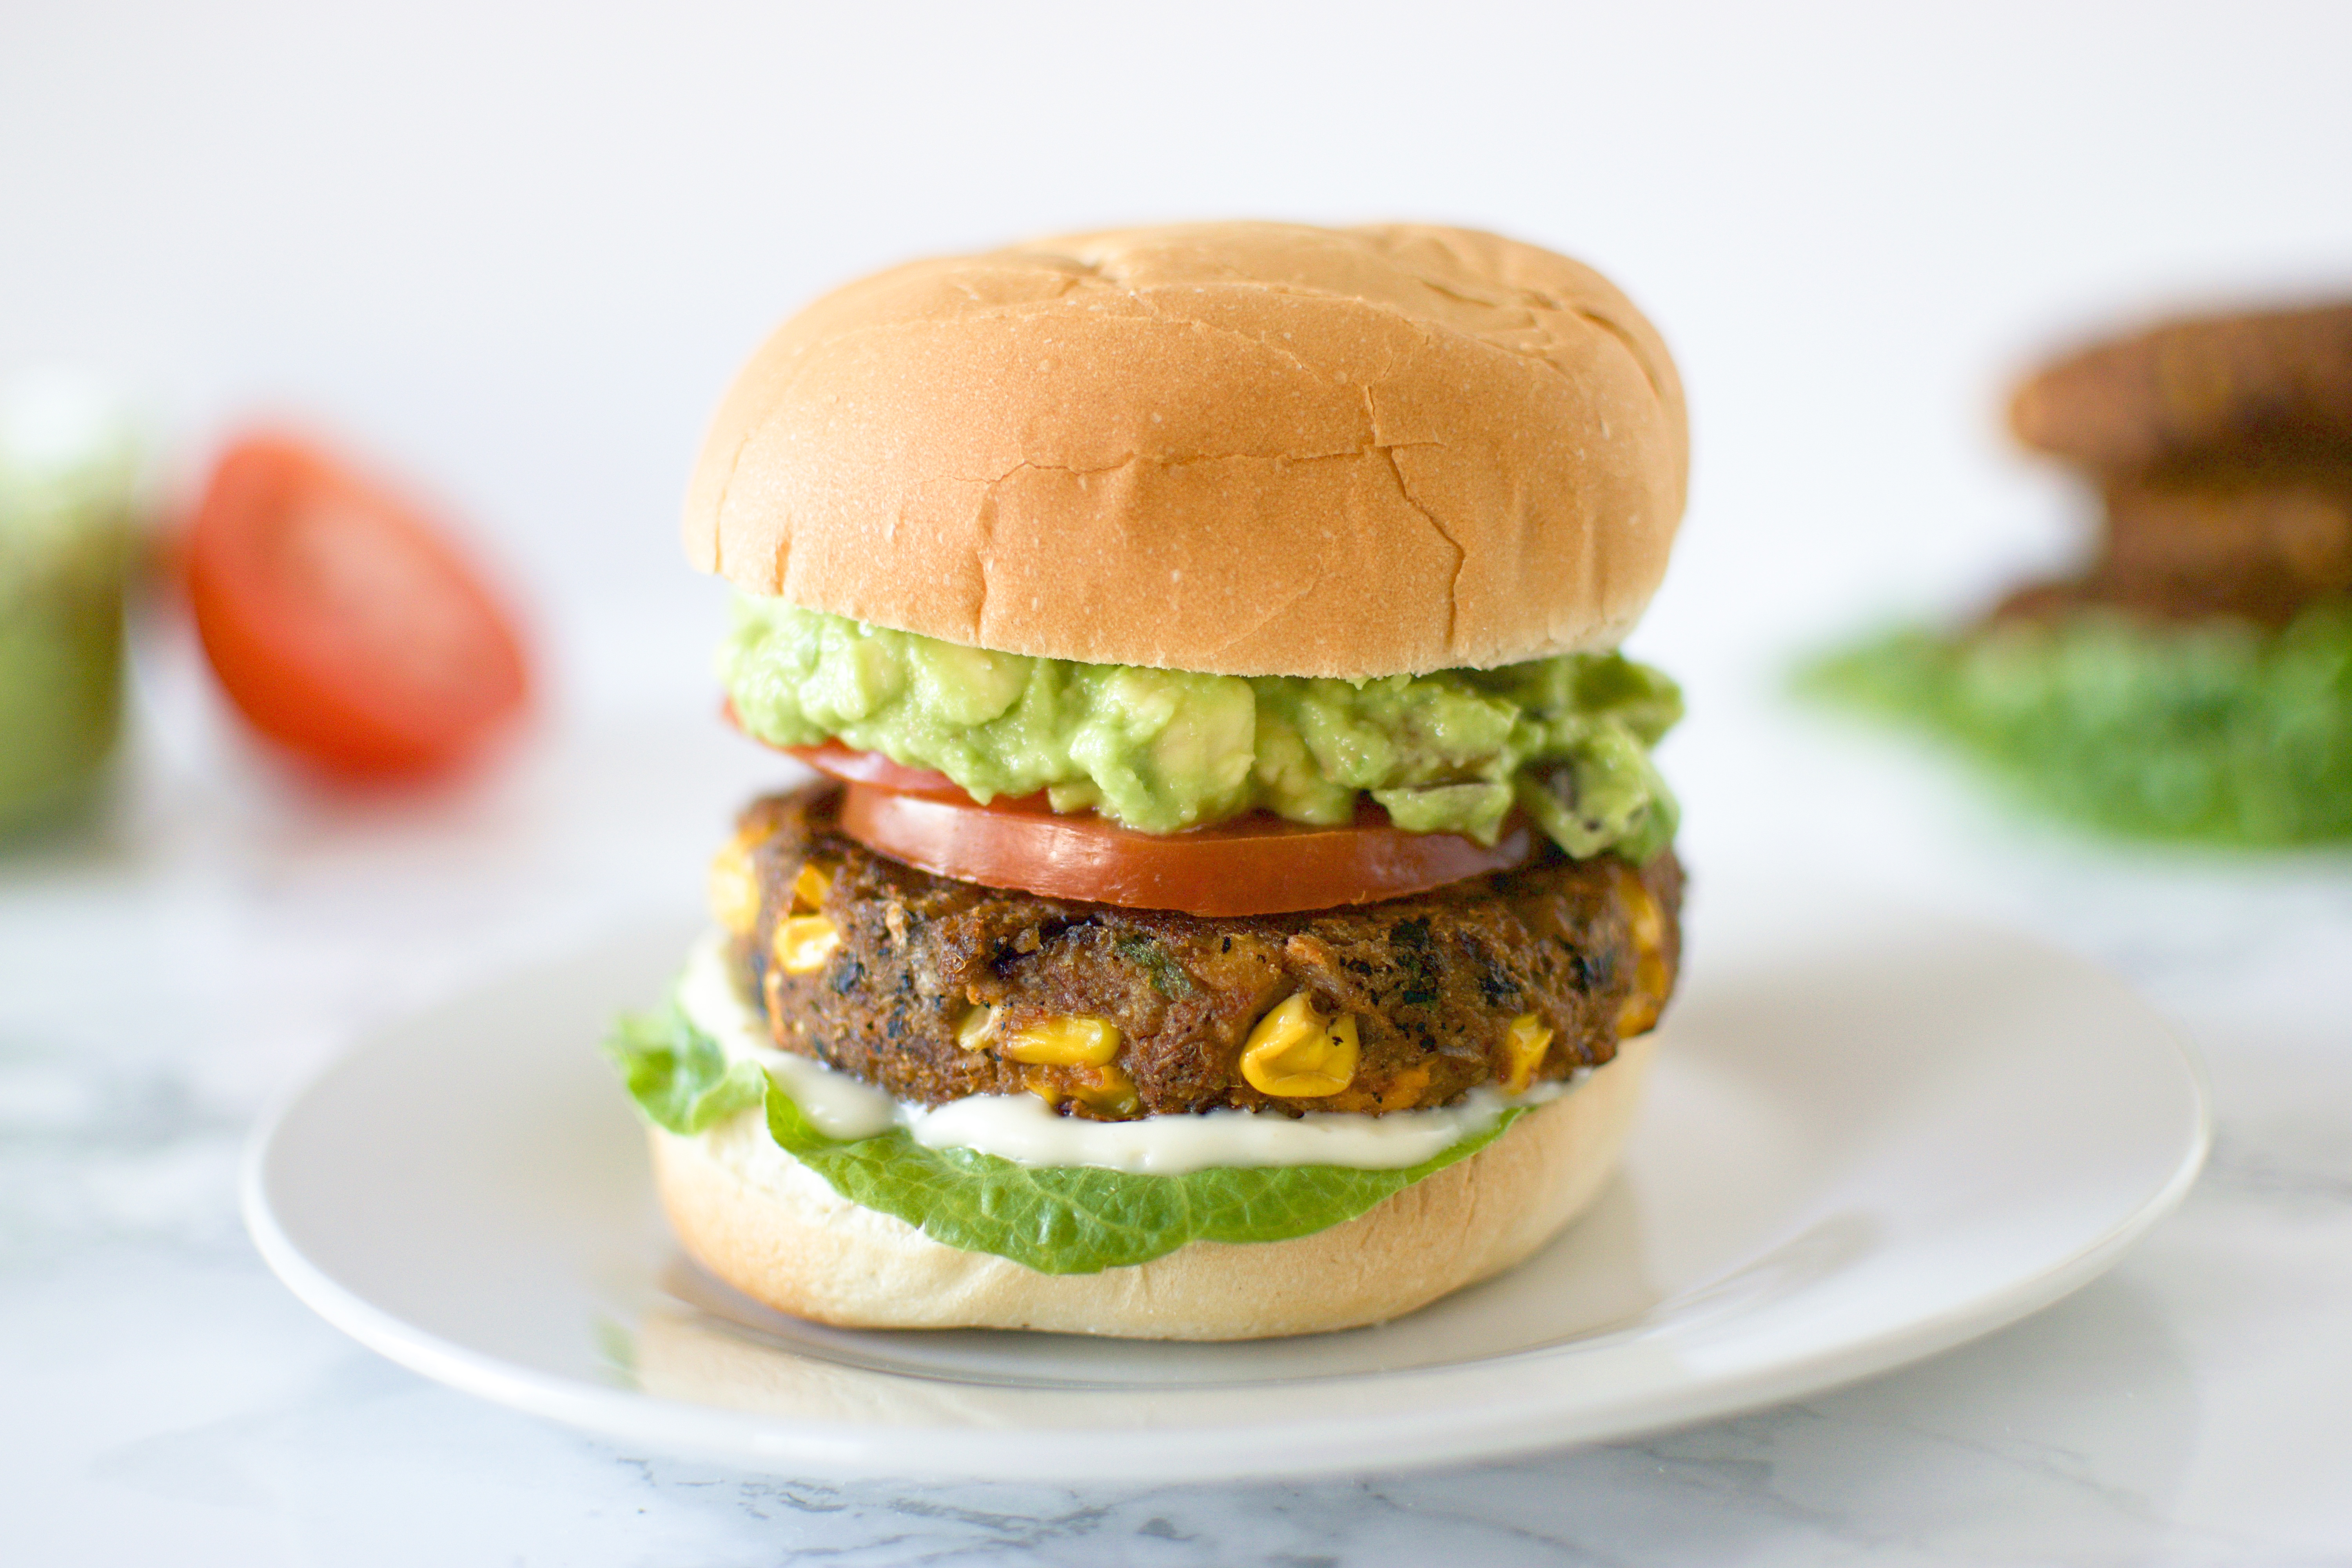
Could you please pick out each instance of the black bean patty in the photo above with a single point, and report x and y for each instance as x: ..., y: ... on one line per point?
x: 2243, y: 385
x: 2225, y: 448
x: 1434, y: 981
x: 2256, y: 540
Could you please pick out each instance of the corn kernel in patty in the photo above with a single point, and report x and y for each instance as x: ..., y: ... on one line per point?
x: 1294, y: 1054
x: 810, y: 886
x: 734, y: 890
x: 1078, y: 1041
x: 1106, y: 1089
x: 1527, y: 1041
x: 804, y: 943
x: 1653, y: 980
x: 977, y: 1029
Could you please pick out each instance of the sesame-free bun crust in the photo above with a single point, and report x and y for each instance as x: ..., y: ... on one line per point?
x: 1244, y: 449
x: 772, y: 1228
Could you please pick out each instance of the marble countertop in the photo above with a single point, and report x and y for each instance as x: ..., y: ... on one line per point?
x: 223, y: 930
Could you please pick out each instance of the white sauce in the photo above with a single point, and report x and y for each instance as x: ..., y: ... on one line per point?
x: 1024, y: 1128
x: 836, y: 1104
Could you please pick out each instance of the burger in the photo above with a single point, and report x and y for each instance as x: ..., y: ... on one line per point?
x: 1235, y: 888
x: 2192, y: 678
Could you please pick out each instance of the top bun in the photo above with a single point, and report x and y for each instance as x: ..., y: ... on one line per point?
x: 1243, y: 448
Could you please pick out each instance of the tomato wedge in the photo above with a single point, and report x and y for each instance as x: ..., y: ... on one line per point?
x: 1254, y: 865
x: 341, y: 621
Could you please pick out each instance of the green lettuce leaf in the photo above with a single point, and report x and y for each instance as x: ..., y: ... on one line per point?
x: 2221, y: 732
x: 678, y: 1075
x: 1060, y: 1219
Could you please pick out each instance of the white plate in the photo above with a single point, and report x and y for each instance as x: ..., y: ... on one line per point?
x: 1871, y: 1135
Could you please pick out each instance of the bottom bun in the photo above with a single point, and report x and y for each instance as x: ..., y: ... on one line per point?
x: 775, y: 1230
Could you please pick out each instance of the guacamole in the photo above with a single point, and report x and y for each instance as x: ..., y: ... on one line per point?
x: 1566, y: 739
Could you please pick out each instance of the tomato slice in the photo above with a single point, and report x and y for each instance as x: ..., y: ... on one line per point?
x: 341, y: 621
x: 1254, y: 865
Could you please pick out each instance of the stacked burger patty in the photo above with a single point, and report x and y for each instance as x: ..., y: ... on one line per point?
x: 2223, y: 449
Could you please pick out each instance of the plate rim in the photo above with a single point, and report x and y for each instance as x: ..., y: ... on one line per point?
x: 1533, y: 1420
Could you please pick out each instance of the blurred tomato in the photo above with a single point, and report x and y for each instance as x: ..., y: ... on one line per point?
x: 341, y: 621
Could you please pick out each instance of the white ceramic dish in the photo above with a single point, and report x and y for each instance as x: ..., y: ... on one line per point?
x: 1871, y: 1135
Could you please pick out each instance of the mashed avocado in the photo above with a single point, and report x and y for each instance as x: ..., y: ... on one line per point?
x: 1159, y: 750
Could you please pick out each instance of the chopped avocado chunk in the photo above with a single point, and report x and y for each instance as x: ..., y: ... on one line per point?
x: 1164, y: 750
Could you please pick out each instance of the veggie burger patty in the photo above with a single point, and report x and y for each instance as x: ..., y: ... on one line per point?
x: 934, y: 989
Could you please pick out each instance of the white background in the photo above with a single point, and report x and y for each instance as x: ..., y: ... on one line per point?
x: 513, y: 253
